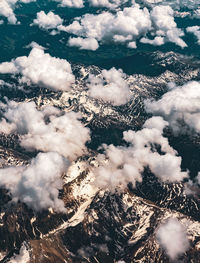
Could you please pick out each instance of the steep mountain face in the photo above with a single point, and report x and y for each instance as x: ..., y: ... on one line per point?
x: 100, y: 226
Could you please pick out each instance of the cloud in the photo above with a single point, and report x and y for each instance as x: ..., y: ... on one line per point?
x: 110, y: 86
x: 131, y: 23
x: 112, y: 4
x: 180, y: 105
x: 128, y: 25
x: 152, y: 1
x: 41, y: 69
x: 175, y: 4
x: 162, y: 17
x: 26, y: 1
x: 45, y: 130
x: 35, y: 45
x: 163, y: 21
x: 132, y: 44
x: 47, y: 21
x: 174, y: 35
x: 157, y: 41
x: 7, y: 7
x: 71, y: 3
x: 37, y: 184
x: 172, y: 237
x: 23, y: 256
x: 196, y: 31
x: 84, y: 43
x: 120, y: 165
x: 192, y: 186
x: 197, y: 13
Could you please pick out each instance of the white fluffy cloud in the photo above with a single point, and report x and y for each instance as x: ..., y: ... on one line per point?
x: 61, y: 136
x: 132, y: 44
x: 179, y: 105
x: 84, y: 43
x: 71, y: 3
x: 40, y: 68
x: 196, y: 31
x: 112, y: 4
x: 163, y: 21
x: 157, y: 41
x: 33, y: 44
x: 175, y: 4
x: 47, y: 21
x: 163, y: 18
x: 7, y: 7
x: 110, y: 86
x: 128, y: 25
x: 120, y: 165
x: 23, y: 256
x: 172, y: 237
x: 45, y: 130
x: 197, y: 13
x: 37, y: 184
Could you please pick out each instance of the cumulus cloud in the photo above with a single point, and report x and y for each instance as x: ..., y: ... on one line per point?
x: 45, y: 130
x: 112, y: 4
x: 40, y: 68
x: 197, y: 13
x: 196, y: 31
x: 179, y: 105
x: 71, y: 3
x: 192, y: 186
x: 110, y: 86
x: 47, y: 21
x: 152, y: 1
x: 163, y: 18
x: 175, y: 4
x: 128, y: 25
x: 37, y: 184
x: 33, y: 44
x: 23, y: 256
x: 7, y: 9
x: 120, y: 165
x: 84, y: 43
x: 157, y: 41
x: 132, y: 44
x: 163, y: 21
x: 172, y: 237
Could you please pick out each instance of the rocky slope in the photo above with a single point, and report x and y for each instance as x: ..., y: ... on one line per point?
x: 100, y: 226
